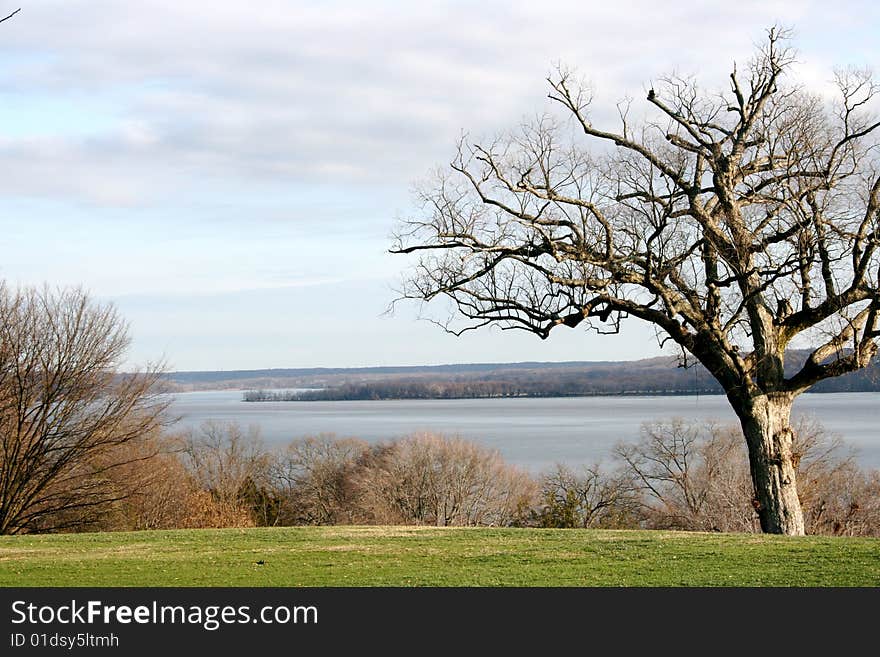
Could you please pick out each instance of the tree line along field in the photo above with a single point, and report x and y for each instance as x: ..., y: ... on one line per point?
x: 679, y: 476
x: 85, y: 448
x: 431, y: 556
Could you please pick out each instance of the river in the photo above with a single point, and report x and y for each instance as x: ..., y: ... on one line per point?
x: 534, y: 433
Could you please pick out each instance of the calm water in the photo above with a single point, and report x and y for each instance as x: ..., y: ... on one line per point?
x: 533, y: 433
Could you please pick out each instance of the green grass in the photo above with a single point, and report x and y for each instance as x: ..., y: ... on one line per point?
x: 412, y: 556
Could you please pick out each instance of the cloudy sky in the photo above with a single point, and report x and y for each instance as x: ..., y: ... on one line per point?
x: 229, y: 174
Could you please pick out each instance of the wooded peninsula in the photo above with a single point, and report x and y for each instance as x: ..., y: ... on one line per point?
x: 653, y: 376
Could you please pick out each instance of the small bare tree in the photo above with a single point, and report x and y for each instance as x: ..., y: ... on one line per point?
x: 153, y: 488
x: 845, y: 502
x: 589, y: 498
x: 694, y: 476
x: 313, y: 476
x: 737, y: 222
x: 230, y: 465
x: 159, y: 494
x: 431, y: 479
x: 838, y: 496
x: 65, y: 409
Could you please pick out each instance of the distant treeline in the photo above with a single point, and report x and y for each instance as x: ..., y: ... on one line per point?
x: 558, y: 386
x: 467, y: 390
x: 590, y: 381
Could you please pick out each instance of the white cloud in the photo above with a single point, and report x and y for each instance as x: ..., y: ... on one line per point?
x: 187, y: 150
x: 359, y: 92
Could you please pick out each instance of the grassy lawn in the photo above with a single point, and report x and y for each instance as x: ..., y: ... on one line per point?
x: 413, y: 556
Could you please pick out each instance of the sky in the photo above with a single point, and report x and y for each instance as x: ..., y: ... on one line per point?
x: 230, y: 174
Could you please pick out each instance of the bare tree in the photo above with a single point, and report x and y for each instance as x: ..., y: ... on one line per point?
x: 312, y: 476
x: 431, y: 479
x: 65, y: 409
x: 737, y: 223
x: 846, y: 504
x: 153, y: 488
x: 158, y: 492
x: 230, y: 465
x: 694, y: 476
x: 839, y: 497
x: 589, y: 498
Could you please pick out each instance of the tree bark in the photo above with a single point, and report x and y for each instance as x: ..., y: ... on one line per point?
x: 766, y: 424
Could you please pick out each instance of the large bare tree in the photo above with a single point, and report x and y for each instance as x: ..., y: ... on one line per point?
x: 65, y: 409
x: 739, y: 223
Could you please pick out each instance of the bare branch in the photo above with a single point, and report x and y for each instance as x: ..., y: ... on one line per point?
x: 6, y: 18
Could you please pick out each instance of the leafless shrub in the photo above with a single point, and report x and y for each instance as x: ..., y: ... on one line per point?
x: 312, y: 478
x: 203, y: 511
x: 696, y: 477
x: 152, y: 486
x: 845, y: 501
x: 431, y: 479
x: 221, y: 457
x: 839, y: 497
x: 588, y: 498
x: 231, y: 467
x: 155, y: 490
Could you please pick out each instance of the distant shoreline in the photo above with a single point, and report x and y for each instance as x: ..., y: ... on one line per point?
x: 591, y: 395
x: 280, y: 395
x: 579, y: 396
x: 661, y: 376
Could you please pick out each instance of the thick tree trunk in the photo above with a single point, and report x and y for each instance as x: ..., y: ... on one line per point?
x: 766, y: 424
